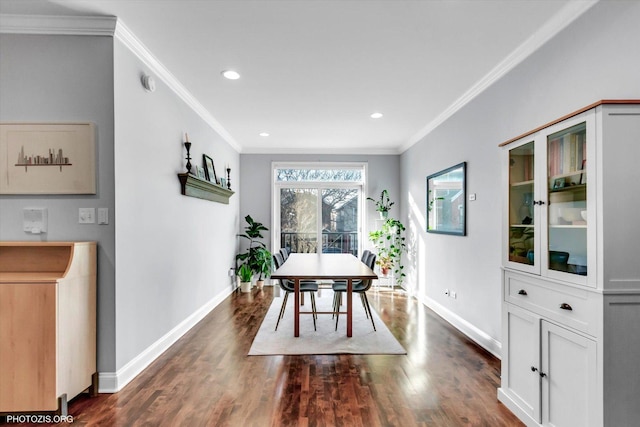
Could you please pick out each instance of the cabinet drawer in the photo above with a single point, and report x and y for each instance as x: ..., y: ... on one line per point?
x: 575, y: 308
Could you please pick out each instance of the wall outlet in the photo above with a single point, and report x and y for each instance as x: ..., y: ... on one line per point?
x: 454, y: 295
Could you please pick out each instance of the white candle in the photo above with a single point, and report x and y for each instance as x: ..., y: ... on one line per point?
x: 186, y: 137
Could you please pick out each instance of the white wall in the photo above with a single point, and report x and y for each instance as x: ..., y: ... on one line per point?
x: 255, y: 182
x: 594, y: 58
x: 66, y: 79
x: 173, y: 252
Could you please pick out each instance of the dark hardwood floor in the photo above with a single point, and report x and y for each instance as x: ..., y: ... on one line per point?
x: 207, y: 379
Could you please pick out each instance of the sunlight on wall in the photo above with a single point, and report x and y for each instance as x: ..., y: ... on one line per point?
x: 416, y: 249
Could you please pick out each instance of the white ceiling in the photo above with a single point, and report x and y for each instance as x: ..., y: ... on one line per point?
x: 314, y: 70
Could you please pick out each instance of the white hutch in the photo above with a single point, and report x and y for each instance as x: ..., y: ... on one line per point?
x: 571, y: 270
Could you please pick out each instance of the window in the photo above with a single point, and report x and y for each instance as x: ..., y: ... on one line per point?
x: 318, y: 207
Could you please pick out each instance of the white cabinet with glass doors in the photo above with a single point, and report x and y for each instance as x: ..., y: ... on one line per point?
x: 571, y: 270
x: 549, y: 202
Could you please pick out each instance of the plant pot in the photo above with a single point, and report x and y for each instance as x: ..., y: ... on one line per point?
x: 245, y: 287
x: 385, y: 271
x: 384, y: 214
x: 260, y: 284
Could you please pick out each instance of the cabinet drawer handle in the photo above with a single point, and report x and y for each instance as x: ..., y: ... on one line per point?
x: 565, y: 306
x: 522, y: 292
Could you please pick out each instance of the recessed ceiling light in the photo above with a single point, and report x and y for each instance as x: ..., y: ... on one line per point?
x: 376, y: 115
x: 231, y: 75
x: 264, y: 134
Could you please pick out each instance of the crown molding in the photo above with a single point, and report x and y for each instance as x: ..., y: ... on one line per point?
x: 569, y: 13
x: 58, y: 25
x: 131, y: 42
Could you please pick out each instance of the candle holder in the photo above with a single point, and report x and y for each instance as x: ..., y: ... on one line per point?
x: 228, y: 178
x: 188, y: 147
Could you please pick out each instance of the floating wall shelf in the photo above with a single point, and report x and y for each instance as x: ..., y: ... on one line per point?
x: 192, y: 186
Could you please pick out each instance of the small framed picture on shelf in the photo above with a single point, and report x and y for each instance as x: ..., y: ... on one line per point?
x: 209, y: 170
x: 583, y: 175
x: 200, y: 172
x: 558, y: 183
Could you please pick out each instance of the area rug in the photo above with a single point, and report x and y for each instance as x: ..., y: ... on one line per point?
x: 326, y: 340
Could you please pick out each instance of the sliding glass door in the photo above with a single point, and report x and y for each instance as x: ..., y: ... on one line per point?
x: 299, y: 219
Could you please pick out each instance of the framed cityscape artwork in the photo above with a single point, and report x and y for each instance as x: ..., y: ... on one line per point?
x: 47, y: 158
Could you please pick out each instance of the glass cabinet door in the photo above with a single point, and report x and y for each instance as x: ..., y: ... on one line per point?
x: 567, y: 200
x: 522, y: 236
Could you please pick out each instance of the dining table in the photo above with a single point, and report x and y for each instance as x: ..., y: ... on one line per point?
x: 324, y: 267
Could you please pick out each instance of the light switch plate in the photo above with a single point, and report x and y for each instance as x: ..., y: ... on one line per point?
x: 87, y: 215
x: 103, y: 215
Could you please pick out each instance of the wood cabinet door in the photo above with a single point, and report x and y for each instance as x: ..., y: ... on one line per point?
x: 569, y: 378
x: 28, y: 347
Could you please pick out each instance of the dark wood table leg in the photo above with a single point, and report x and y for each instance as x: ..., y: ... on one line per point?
x: 349, y: 308
x: 296, y: 305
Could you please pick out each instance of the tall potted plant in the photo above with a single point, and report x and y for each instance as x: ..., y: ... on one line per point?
x: 389, y: 242
x: 257, y: 254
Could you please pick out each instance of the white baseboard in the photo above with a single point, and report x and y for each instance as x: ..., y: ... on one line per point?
x: 112, y: 382
x: 481, y: 338
x: 506, y: 400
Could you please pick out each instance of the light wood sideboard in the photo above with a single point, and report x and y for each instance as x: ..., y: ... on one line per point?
x: 47, y: 324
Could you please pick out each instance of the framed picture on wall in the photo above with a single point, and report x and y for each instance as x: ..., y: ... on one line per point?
x: 47, y: 158
x: 209, y: 170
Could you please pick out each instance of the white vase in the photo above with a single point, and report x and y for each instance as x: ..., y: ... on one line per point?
x: 245, y: 287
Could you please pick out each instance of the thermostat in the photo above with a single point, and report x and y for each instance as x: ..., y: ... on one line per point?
x: 34, y: 220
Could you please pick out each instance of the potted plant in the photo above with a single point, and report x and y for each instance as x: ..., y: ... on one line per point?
x: 389, y: 242
x: 257, y: 253
x: 245, y: 274
x: 385, y: 263
x: 383, y: 205
x: 263, y: 264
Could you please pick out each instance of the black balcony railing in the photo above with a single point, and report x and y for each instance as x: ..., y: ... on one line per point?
x: 341, y: 242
